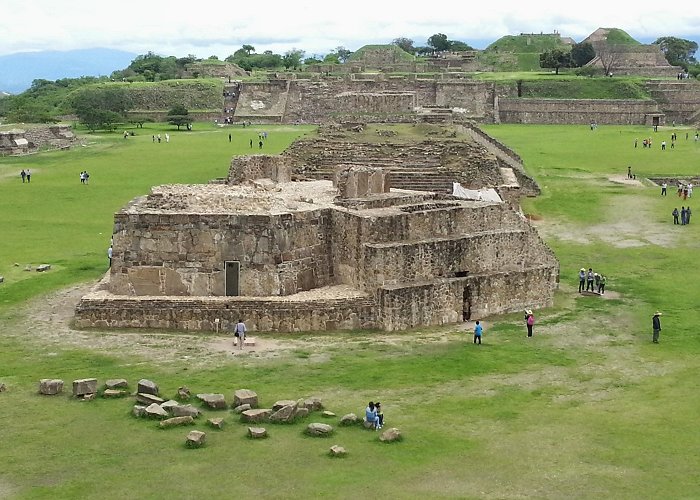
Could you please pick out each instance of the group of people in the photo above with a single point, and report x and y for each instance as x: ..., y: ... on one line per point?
x: 84, y: 177
x: 684, y: 214
x: 593, y: 282
x: 685, y: 191
x: 158, y: 138
x: 26, y: 175
x: 374, y: 414
x: 529, y: 323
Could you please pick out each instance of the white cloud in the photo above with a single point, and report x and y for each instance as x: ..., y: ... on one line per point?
x: 207, y: 27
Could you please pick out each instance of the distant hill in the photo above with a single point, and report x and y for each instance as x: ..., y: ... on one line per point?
x: 17, y: 71
x: 521, y: 52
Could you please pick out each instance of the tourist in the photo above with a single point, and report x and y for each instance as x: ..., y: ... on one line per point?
x: 239, y: 332
x: 23, y: 175
x: 109, y: 255
x: 82, y: 177
x: 229, y: 138
x: 656, y: 326
x: 260, y: 144
x: 601, y: 285
x: 380, y: 414
x: 663, y: 188
x: 478, y: 329
x: 675, y: 215
x: 158, y: 137
x: 635, y: 143
x: 371, y: 416
x: 629, y: 172
x: 663, y: 145
x: 251, y: 143
x: 690, y: 190
x: 589, y: 280
x: 529, y: 321
x: 596, y: 277
x: 684, y: 214
x: 687, y: 215
x: 167, y: 137
x: 29, y: 175
x: 581, y: 279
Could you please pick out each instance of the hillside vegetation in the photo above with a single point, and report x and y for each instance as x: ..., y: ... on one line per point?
x: 401, y: 54
x: 519, y: 52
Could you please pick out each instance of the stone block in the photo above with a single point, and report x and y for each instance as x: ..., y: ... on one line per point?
x: 176, y: 421
x: 313, y: 404
x: 195, y: 439
x: 43, y: 268
x: 284, y: 402
x: 284, y: 415
x: 301, y: 413
x: 241, y: 408
x: 84, y: 387
x: 50, y: 387
x: 213, y: 401
x: 3, y: 387
x: 138, y: 411
x: 114, y: 393
x: 169, y: 405
x: 216, y: 423
x: 148, y: 399
x: 391, y: 435
x: 186, y: 410
x: 319, y: 430
x: 146, y: 386
x: 116, y: 383
x: 257, y: 432
x: 256, y: 415
x: 154, y: 410
x: 348, y: 419
x: 337, y: 451
x: 245, y: 396
x: 328, y: 414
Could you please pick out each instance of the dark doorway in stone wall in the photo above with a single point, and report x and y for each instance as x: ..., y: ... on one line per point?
x: 232, y: 278
x: 655, y: 121
x: 466, y: 304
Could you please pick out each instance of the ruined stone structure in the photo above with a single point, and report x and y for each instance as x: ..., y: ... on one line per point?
x: 34, y: 138
x: 351, y: 252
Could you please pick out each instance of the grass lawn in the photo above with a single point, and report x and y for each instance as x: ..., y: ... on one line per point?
x: 588, y: 408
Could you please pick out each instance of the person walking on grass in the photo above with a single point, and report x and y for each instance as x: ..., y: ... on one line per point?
x: 529, y: 321
x: 656, y: 326
x: 478, y: 329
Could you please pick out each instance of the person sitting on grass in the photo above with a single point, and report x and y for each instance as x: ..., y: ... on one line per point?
x: 371, y: 415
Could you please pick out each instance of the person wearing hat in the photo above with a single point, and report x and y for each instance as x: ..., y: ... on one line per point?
x: 656, y: 325
x: 581, y: 279
x: 529, y: 321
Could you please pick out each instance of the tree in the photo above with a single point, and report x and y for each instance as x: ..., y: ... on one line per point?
x: 139, y: 120
x: 343, y: 53
x: 101, y: 107
x: 312, y: 60
x: 678, y: 51
x: 439, y: 42
x: 292, y: 58
x: 405, y: 44
x: 331, y: 58
x: 179, y: 116
x: 609, y: 58
x: 555, y: 58
x: 457, y: 46
x: 248, y: 49
x: 581, y: 54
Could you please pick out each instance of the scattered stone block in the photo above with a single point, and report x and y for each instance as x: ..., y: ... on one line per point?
x: 183, y: 393
x: 241, y: 408
x: 186, y: 410
x: 249, y: 342
x: 328, y: 414
x: 89, y: 397
x: 338, y: 451
x: 256, y: 415
x: 257, y: 432
x: 84, y: 387
x: 139, y: 411
x: 301, y: 413
x: 154, y: 410
x: 313, y: 404
x: 281, y: 404
x: 175, y: 421
x: 284, y: 415
x: 195, y: 439
x: 366, y: 424
x: 391, y: 435
x: 169, y: 405
x: 116, y: 383
x: 114, y: 393
x: 3, y: 387
x: 43, y: 268
x: 148, y: 399
x: 50, y: 387
x: 318, y: 429
x: 216, y: 423
x: 348, y: 420
x: 213, y: 401
x: 245, y: 396
x: 146, y: 386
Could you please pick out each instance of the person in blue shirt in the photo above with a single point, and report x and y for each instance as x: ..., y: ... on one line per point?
x: 477, y: 333
x: 371, y: 415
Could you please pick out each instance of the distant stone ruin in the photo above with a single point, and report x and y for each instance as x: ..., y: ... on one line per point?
x: 347, y: 253
x: 35, y: 138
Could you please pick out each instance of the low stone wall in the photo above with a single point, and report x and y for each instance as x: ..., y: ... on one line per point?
x: 360, y: 182
x: 577, y: 111
x: 261, y: 314
x: 248, y: 168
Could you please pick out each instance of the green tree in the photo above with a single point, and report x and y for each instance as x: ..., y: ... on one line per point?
x: 312, y: 60
x: 457, y: 46
x: 101, y: 107
x: 678, y: 51
x: 248, y: 49
x: 439, y: 42
x: 555, y: 58
x: 179, y: 116
x: 292, y: 58
x: 405, y: 44
x: 342, y: 53
x: 581, y: 54
x: 331, y: 58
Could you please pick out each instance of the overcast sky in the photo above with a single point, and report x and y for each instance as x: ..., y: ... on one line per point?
x: 207, y: 27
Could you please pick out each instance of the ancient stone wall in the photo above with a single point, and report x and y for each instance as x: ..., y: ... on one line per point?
x: 360, y: 182
x: 184, y: 254
x: 198, y: 313
x: 248, y: 168
x: 36, y: 137
x: 577, y: 111
x: 262, y: 101
x: 679, y: 100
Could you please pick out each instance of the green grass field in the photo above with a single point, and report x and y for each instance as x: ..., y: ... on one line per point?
x: 588, y: 408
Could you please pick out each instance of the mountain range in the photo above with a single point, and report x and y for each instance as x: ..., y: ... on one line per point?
x: 17, y: 71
